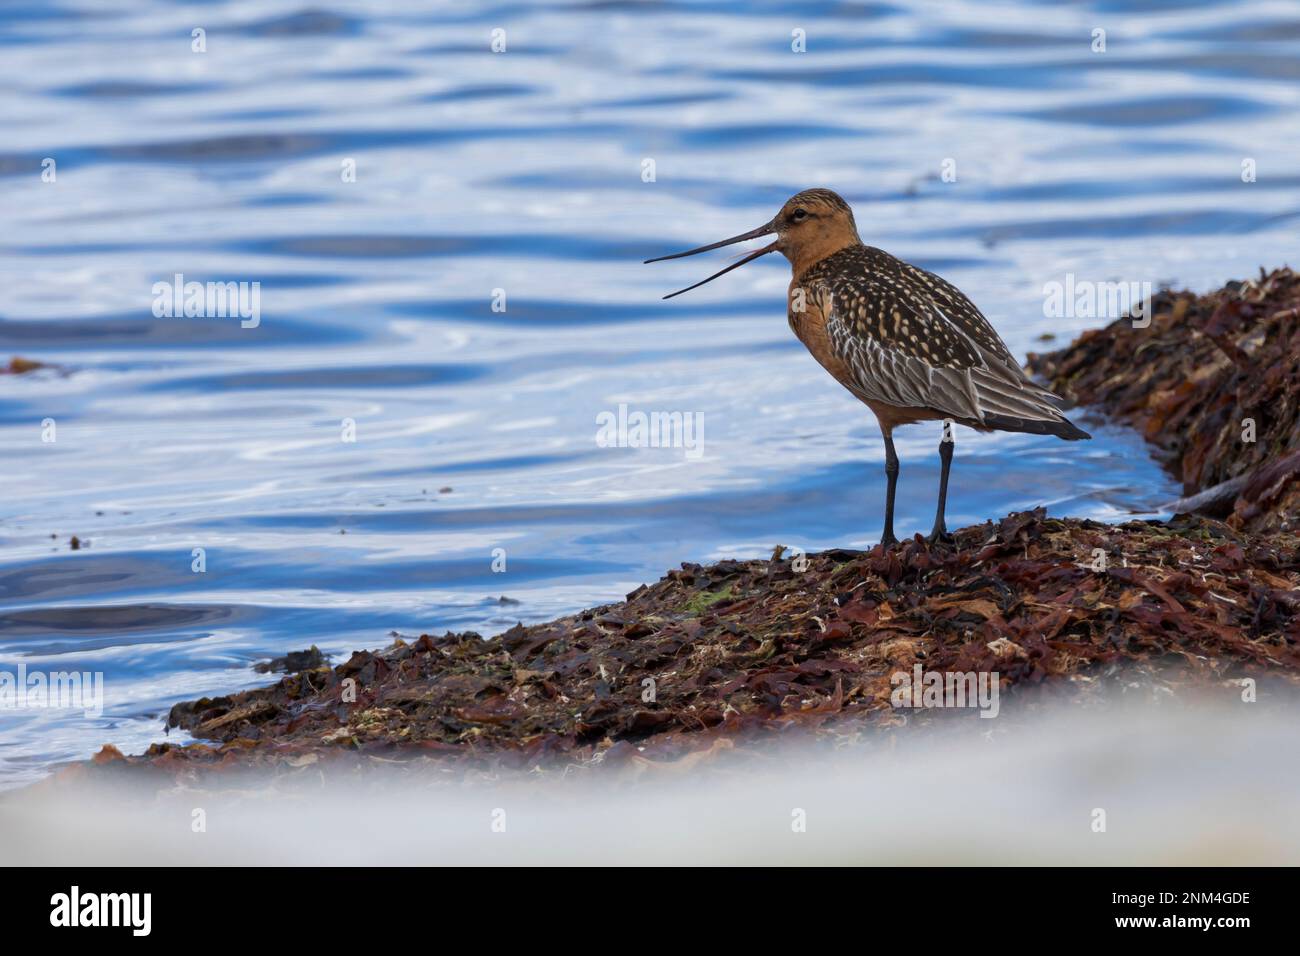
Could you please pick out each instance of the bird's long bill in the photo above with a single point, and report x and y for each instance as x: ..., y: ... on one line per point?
x: 765, y: 230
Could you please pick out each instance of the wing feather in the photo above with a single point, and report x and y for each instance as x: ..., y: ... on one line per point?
x: 913, y: 340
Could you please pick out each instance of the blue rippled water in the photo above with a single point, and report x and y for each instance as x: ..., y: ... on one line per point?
x: 519, y: 177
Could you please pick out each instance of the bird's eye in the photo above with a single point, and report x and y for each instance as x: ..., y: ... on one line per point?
x: 799, y: 215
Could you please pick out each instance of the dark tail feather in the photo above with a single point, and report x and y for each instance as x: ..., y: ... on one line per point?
x: 1060, y: 428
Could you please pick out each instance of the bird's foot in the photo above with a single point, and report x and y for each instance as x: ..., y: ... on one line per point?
x: 887, y: 540
x: 940, y: 536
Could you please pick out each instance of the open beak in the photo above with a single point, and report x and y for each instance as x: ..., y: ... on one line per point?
x: 764, y: 230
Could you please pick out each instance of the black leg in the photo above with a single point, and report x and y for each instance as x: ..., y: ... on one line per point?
x: 940, y: 530
x: 891, y: 475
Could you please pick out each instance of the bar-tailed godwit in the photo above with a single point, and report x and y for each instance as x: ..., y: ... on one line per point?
x: 906, y: 343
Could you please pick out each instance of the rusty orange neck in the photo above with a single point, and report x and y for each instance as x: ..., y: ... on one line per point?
x: 813, y: 249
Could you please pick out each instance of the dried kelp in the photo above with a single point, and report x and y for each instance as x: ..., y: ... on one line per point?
x: 1214, y: 383
x: 21, y: 366
x: 710, y: 654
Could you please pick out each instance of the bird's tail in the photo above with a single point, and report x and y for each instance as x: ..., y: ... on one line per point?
x: 1060, y: 427
x: 1021, y: 405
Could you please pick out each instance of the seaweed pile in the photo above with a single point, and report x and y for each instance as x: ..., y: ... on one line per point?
x: 710, y: 655
x: 1214, y: 383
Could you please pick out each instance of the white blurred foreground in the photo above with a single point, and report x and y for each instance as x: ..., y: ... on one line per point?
x: 1209, y: 785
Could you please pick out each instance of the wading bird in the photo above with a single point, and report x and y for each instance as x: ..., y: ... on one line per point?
x: 906, y: 343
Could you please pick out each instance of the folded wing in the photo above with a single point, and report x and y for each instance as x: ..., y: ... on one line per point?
x: 913, y: 340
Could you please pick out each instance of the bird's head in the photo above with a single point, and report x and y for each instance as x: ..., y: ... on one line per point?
x: 811, y: 225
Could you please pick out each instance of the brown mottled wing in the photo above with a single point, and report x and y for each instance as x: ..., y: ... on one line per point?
x: 962, y: 312
x: 902, y: 351
x: 912, y: 340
